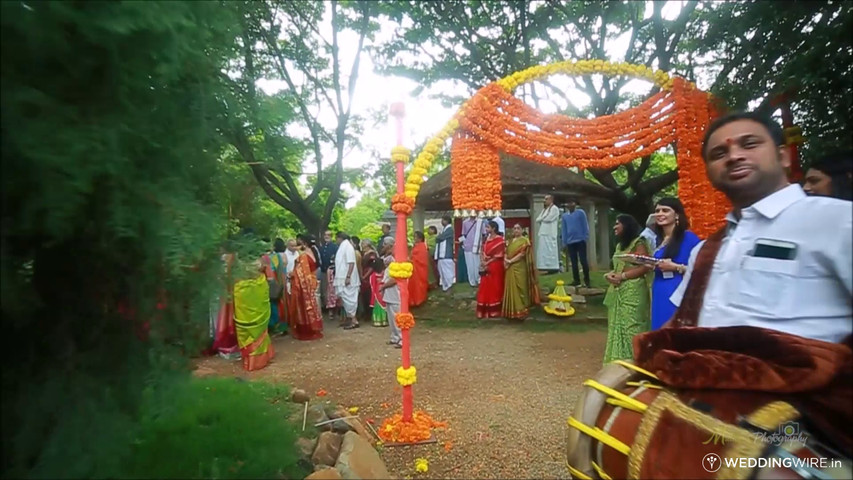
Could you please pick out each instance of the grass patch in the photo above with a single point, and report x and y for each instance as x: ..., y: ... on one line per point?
x: 217, y: 428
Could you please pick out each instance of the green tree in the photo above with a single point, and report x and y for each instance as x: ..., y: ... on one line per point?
x: 750, y: 49
x: 282, y: 41
x: 112, y: 218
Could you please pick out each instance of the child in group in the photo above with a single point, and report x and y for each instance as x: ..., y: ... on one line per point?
x: 391, y: 295
x: 377, y: 304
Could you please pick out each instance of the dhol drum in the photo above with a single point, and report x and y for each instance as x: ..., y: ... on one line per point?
x: 626, y: 424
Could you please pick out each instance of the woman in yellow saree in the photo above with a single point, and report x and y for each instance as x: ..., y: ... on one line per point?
x: 252, y: 316
x: 521, y: 288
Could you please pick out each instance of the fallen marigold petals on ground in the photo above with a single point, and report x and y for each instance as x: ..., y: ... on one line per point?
x: 395, y: 430
x: 321, y: 393
x: 353, y: 410
x: 421, y: 465
x: 370, y: 421
x: 448, y: 446
x: 384, y: 405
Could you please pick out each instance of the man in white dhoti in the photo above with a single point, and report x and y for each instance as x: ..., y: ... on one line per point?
x: 547, y: 251
x: 444, y: 254
x: 472, y: 239
x: 347, y: 280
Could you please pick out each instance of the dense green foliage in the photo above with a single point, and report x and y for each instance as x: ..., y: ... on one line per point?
x: 111, y: 206
x: 216, y: 428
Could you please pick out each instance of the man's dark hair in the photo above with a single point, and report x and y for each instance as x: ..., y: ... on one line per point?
x: 432, y: 228
x: 419, y: 235
x: 342, y: 236
x: 771, y: 126
x: 447, y: 219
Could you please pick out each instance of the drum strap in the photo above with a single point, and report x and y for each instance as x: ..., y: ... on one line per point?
x: 687, y: 314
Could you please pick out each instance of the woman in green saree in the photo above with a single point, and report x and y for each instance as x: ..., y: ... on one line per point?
x: 627, y: 299
x: 521, y: 288
x: 252, y: 315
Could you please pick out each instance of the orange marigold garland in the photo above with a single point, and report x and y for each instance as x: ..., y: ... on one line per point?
x: 400, y: 203
x: 476, y: 174
x: 395, y: 430
x: 405, y: 320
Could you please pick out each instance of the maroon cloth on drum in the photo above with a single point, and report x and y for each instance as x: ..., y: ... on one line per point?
x: 815, y: 376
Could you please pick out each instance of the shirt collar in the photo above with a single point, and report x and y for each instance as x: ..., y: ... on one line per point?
x: 774, y: 204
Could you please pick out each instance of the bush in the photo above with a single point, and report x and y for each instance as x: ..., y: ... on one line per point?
x: 217, y: 428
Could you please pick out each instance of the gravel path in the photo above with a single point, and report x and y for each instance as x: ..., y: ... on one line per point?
x: 504, y: 392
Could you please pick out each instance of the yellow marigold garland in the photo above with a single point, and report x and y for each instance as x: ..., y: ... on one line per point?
x: 407, y: 376
x: 400, y: 270
x: 400, y: 154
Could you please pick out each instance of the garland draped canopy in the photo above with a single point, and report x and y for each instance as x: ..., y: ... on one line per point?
x: 495, y: 121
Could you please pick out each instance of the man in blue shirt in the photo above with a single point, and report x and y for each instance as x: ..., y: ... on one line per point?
x: 328, y: 250
x: 575, y: 230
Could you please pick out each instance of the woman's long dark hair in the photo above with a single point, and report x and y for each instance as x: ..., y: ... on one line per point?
x: 630, y: 230
x: 310, y: 242
x: 838, y: 168
x: 682, y: 224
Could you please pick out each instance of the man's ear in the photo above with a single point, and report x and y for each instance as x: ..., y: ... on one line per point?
x: 785, y: 156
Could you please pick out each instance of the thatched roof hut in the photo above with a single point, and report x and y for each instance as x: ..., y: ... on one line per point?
x: 519, y: 180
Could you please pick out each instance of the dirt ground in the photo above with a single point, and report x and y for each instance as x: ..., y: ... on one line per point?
x: 504, y: 391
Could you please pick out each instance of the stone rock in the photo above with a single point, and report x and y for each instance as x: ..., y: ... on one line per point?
x: 571, y: 290
x: 299, y: 396
x: 325, y: 474
x: 319, y: 467
x: 338, y: 412
x: 357, y: 427
x: 591, y: 292
x: 578, y: 298
x: 316, y: 414
x: 358, y: 460
x: 328, y: 449
x: 305, y: 446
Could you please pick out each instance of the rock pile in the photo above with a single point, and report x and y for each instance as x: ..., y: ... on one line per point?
x: 344, y: 448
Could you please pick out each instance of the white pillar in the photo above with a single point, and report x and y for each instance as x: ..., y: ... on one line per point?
x: 603, y: 237
x: 537, y: 205
x: 418, y: 216
x: 589, y: 208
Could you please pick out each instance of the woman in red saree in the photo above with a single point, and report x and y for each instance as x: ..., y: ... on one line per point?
x: 306, y: 322
x: 419, y: 282
x: 225, y: 336
x: 491, y: 291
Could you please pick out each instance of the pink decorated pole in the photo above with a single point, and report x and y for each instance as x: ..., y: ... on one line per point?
x: 401, y: 254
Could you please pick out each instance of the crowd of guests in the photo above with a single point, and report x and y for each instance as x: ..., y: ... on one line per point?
x: 294, y: 285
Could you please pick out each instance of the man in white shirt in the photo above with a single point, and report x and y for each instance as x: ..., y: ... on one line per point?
x: 649, y: 234
x: 547, y: 251
x: 444, y: 254
x: 785, y: 261
x: 347, y: 281
x: 291, y: 254
x: 471, y: 240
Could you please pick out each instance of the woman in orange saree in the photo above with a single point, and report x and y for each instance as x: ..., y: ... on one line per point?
x: 306, y: 322
x: 419, y: 283
x: 521, y: 290
x: 491, y: 291
x: 225, y: 335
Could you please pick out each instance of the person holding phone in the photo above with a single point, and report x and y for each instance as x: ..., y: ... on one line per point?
x: 784, y: 261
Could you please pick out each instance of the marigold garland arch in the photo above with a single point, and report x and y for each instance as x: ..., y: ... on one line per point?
x: 494, y: 121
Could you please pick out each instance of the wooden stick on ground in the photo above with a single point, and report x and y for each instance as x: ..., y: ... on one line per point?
x: 334, y: 420
x: 373, y: 430
x: 304, y: 416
